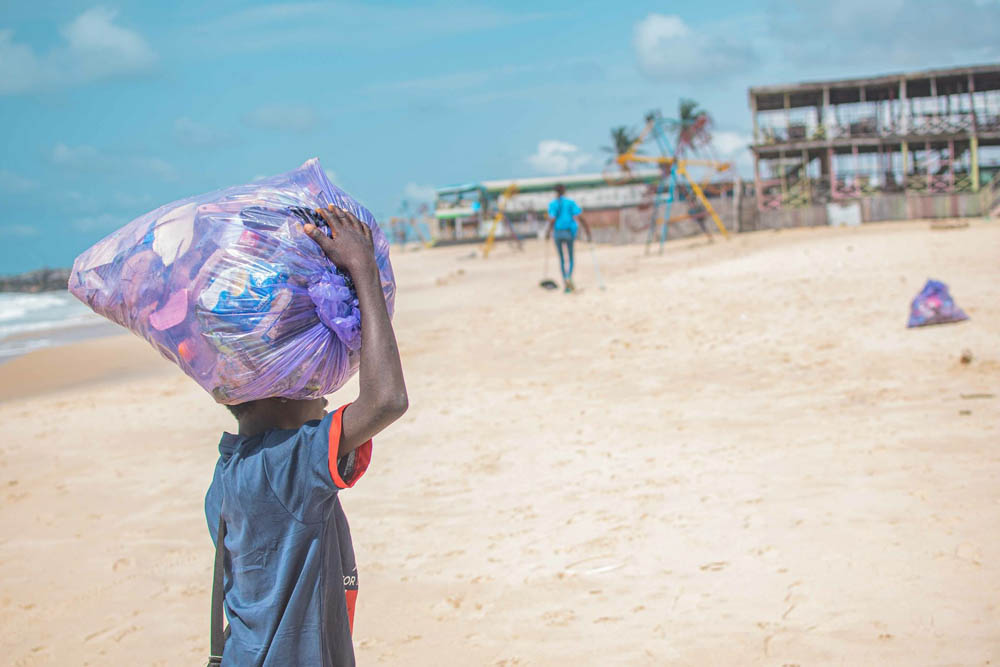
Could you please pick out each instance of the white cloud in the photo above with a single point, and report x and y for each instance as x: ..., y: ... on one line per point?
x: 89, y: 159
x: 437, y: 84
x: 728, y: 143
x: 286, y: 117
x: 93, y: 48
x: 881, y: 36
x: 573, y: 70
x: 419, y: 193
x: 156, y: 166
x: 558, y: 157
x: 192, y: 134
x: 78, y: 157
x: 734, y: 147
x: 280, y: 25
x: 667, y: 49
x: 132, y: 200
x: 105, y: 48
x: 11, y: 182
x: 77, y: 202
x: 18, y: 231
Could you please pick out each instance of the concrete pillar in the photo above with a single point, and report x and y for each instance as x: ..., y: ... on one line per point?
x: 974, y: 139
x: 804, y: 179
x: 951, y: 164
x: 927, y: 152
x: 904, y: 111
x: 788, y: 113
x: 753, y: 114
x: 972, y: 104
x: 737, y: 200
x: 758, y: 191
x: 784, y: 177
x: 832, y: 166
x: 857, y: 167
x: 825, y: 121
x: 974, y: 168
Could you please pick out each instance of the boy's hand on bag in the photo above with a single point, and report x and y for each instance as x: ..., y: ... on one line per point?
x: 349, y: 246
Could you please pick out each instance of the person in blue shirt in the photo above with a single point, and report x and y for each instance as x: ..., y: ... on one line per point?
x: 564, y: 221
x: 290, y: 580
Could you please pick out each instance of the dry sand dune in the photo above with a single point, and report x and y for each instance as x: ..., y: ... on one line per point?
x: 737, y: 454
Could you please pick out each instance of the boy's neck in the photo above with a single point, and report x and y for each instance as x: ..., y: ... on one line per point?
x: 280, y: 414
x: 255, y: 424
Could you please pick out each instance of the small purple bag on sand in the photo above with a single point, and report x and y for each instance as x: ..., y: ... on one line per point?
x: 934, y: 305
x: 228, y: 287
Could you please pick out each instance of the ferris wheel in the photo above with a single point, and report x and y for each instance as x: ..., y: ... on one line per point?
x: 681, y: 149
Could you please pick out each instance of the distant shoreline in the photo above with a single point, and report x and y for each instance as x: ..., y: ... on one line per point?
x: 33, y: 282
x: 20, y: 344
x: 30, y: 321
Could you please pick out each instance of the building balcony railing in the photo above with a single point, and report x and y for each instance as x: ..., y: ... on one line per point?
x: 776, y: 193
x: 874, y: 127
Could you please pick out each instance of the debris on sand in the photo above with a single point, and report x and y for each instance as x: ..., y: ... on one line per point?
x: 934, y: 305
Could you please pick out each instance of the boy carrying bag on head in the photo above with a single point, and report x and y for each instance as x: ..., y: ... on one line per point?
x: 289, y: 576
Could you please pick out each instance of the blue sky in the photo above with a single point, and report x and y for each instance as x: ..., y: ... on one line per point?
x: 109, y: 110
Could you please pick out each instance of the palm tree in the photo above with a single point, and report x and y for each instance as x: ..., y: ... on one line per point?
x: 622, y: 139
x: 693, y: 125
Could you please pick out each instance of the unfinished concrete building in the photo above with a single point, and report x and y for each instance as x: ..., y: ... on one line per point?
x: 919, y: 144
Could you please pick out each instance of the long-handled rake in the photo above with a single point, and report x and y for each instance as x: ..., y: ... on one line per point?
x: 597, y: 268
x: 547, y: 282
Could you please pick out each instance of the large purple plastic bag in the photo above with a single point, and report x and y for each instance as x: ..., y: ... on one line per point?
x: 227, y: 286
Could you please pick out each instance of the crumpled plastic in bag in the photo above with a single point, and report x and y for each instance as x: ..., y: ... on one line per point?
x: 934, y: 305
x: 228, y: 287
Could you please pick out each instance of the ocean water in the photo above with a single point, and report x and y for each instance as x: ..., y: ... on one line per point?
x: 32, y: 321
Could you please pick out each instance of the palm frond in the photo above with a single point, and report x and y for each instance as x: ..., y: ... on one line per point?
x: 622, y: 138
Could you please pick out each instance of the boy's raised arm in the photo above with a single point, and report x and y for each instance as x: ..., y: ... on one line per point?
x: 382, y: 397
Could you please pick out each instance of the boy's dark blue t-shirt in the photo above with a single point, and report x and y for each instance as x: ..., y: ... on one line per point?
x: 290, y: 580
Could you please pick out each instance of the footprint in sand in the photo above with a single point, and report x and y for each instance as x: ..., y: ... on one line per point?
x: 969, y: 552
x: 116, y: 633
x: 560, y: 617
x: 714, y: 566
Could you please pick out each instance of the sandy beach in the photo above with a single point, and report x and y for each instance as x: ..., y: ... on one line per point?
x: 736, y: 454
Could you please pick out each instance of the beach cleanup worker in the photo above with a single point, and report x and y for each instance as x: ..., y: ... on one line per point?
x: 564, y: 221
x: 290, y: 578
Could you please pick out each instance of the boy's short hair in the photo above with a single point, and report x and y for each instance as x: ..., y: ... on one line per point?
x: 560, y: 189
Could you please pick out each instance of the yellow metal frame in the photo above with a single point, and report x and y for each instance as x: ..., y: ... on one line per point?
x: 626, y: 159
x: 502, y: 202
x: 426, y: 242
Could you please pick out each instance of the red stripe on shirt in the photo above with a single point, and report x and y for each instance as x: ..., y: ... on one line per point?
x: 352, y: 599
x: 362, y: 455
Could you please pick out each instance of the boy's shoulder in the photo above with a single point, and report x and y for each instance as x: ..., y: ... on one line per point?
x: 316, y: 431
